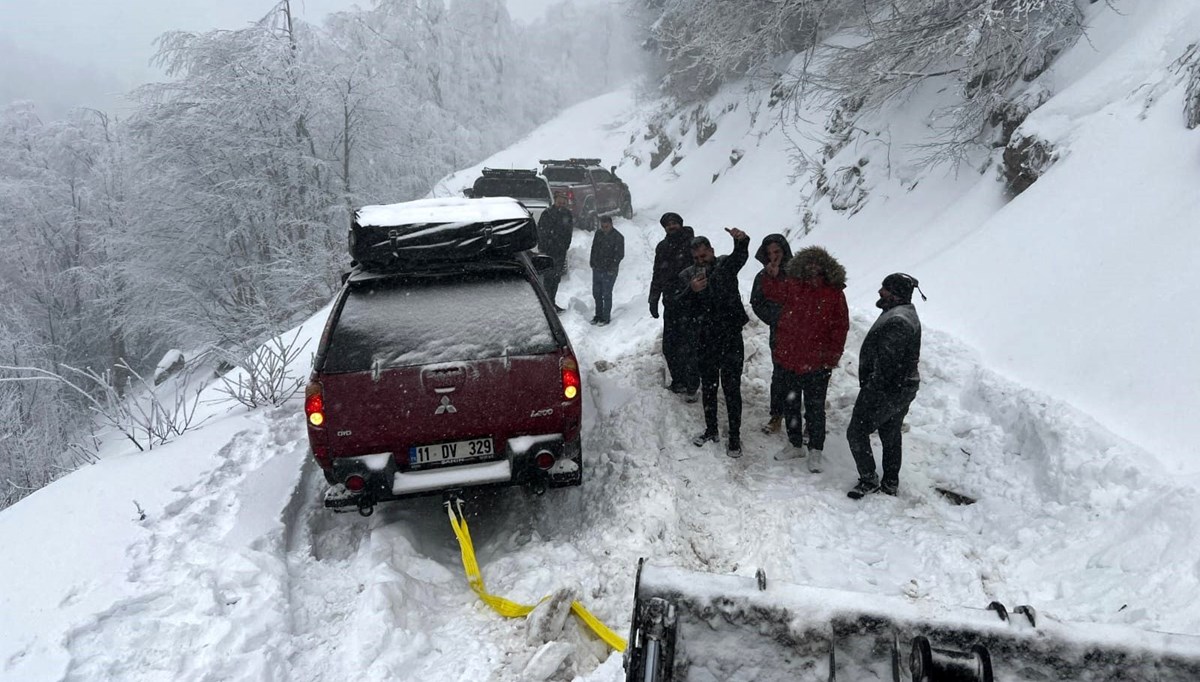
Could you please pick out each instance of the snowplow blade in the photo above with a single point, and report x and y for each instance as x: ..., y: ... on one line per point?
x: 702, y: 627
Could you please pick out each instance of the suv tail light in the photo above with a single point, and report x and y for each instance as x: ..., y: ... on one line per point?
x: 571, y: 197
x: 570, y: 377
x: 314, y: 404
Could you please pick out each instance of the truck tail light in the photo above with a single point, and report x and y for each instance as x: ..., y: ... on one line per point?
x: 570, y: 378
x: 314, y: 404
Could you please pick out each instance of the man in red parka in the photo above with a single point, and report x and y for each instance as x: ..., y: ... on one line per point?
x: 810, y: 338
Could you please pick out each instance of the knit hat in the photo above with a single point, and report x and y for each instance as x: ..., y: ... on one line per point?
x: 670, y: 217
x: 701, y: 241
x: 902, y: 285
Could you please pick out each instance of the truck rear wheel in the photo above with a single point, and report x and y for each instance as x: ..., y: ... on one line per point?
x: 627, y: 208
x: 590, y: 220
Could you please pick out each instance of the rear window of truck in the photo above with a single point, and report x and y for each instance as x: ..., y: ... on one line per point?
x: 517, y: 188
x: 401, y: 322
x: 565, y: 174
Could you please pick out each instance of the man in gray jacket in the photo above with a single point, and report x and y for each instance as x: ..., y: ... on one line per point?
x: 888, y: 381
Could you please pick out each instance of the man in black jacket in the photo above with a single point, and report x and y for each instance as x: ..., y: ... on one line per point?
x: 608, y: 249
x: 888, y: 381
x: 773, y: 250
x: 711, y: 293
x: 671, y: 256
x: 555, y: 229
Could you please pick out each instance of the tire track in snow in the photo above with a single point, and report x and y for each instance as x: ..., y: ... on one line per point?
x: 211, y: 583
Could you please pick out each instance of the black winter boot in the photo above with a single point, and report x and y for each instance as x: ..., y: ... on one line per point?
x: 866, y: 486
x: 733, y: 447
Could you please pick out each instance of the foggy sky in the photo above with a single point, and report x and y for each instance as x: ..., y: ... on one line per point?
x: 64, y: 53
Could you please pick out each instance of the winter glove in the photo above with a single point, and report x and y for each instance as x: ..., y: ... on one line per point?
x: 654, y: 309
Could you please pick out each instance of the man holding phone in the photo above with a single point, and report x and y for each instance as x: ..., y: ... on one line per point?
x: 711, y: 294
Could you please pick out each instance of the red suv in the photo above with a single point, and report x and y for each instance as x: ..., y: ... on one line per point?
x: 590, y: 190
x: 444, y: 377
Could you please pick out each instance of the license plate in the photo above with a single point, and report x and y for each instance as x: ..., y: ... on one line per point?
x: 420, y: 456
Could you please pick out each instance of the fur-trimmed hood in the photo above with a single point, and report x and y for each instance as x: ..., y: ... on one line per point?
x: 831, y: 269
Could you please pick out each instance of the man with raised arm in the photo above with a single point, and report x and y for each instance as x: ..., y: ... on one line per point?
x: 710, y: 292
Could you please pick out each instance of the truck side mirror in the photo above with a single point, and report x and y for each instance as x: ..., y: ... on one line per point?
x: 614, y: 170
x: 542, y: 262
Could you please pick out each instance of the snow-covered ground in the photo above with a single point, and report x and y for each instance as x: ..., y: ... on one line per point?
x: 1055, y: 322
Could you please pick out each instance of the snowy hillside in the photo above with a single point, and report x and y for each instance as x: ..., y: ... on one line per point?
x: 1057, y: 369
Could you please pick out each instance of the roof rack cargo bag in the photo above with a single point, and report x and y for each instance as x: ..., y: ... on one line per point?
x: 387, y: 237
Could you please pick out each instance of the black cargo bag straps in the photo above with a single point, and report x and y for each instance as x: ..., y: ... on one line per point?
x: 439, y: 230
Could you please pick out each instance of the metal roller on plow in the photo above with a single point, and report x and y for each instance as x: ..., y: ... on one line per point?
x: 698, y: 627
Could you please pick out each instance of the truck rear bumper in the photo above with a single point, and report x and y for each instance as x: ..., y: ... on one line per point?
x: 385, y: 480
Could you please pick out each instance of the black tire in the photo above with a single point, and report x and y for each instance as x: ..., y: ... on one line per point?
x: 921, y: 662
x: 590, y: 222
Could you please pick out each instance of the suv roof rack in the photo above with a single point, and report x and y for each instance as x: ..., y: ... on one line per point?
x: 509, y: 172
x: 570, y: 162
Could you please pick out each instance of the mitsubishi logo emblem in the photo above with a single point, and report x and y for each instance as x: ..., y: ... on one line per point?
x: 445, y: 407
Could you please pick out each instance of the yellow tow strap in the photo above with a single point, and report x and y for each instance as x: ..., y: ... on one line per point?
x: 505, y: 607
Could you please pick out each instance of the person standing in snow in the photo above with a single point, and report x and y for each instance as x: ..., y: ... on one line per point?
x: 608, y: 249
x: 775, y: 251
x: 671, y: 256
x: 710, y: 291
x: 555, y: 229
x: 888, y: 381
x: 811, y: 336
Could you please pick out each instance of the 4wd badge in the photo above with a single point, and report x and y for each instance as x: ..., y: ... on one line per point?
x: 445, y: 407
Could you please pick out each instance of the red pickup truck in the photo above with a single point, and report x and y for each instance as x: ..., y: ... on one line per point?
x: 435, y: 376
x: 591, y: 191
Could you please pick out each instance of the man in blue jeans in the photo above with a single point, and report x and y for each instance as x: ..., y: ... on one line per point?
x: 608, y: 250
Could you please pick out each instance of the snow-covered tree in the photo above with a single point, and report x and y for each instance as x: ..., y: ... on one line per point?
x: 988, y: 47
x: 862, y: 51
x: 236, y: 232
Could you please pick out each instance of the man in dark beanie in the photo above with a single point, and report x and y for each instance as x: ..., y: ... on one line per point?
x: 711, y: 294
x: 888, y: 381
x: 671, y: 256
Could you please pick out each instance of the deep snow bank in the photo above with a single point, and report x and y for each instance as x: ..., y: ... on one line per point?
x: 1077, y: 287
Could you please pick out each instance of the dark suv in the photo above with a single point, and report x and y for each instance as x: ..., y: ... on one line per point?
x: 524, y: 185
x: 444, y: 377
